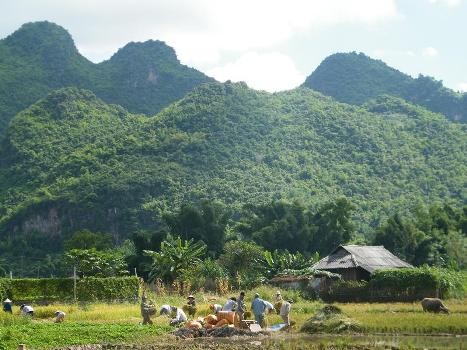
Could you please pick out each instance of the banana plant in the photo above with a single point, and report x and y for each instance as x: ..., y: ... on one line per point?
x: 175, y: 256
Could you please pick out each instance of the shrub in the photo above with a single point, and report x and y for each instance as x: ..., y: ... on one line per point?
x: 417, y: 283
x: 62, y: 289
x: 399, y: 285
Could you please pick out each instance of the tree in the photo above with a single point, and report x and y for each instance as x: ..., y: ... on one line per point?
x: 91, y: 262
x: 206, y: 222
x: 86, y: 239
x: 400, y: 237
x: 242, y: 260
x: 278, y: 261
x: 334, y: 225
x: 279, y: 225
x: 174, y: 257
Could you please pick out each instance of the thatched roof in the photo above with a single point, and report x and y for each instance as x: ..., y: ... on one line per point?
x: 369, y: 258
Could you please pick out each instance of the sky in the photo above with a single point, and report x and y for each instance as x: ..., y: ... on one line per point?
x: 272, y: 45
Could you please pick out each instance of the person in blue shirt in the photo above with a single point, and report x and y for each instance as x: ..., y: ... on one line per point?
x: 258, y: 306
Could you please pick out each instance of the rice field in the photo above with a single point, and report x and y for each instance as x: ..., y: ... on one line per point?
x: 120, y: 323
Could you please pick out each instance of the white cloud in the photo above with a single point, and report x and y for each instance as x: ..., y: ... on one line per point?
x: 199, y: 30
x: 462, y: 86
x: 448, y: 3
x: 202, y: 32
x: 430, y: 52
x: 263, y: 71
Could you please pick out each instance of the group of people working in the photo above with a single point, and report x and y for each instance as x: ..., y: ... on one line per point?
x: 259, y: 308
x: 28, y: 310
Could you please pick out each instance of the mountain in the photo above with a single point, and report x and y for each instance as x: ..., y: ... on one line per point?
x: 356, y: 78
x: 41, y: 56
x: 72, y: 162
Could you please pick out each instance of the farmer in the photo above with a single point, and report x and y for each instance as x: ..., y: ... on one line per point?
x: 230, y: 305
x: 26, y: 310
x: 147, y: 309
x: 215, y: 308
x: 278, y: 302
x: 180, y: 316
x: 285, y: 311
x: 190, y: 306
x: 59, y: 316
x: 241, y: 306
x: 258, y: 306
x: 7, y: 305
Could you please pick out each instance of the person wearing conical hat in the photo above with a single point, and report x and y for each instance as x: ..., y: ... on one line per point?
x: 8, y: 306
x: 190, y: 306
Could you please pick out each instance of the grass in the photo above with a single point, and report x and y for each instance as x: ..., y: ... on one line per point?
x: 120, y: 323
x: 408, y: 317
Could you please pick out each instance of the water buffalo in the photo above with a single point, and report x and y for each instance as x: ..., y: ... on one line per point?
x: 434, y: 305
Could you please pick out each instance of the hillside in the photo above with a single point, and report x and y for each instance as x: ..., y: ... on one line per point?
x: 41, y: 56
x: 356, y: 78
x: 71, y: 161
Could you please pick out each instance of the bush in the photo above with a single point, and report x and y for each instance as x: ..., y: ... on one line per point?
x: 61, y: 289
x: 204, y: 275
x: 417, y: 283
x: 399, y: 285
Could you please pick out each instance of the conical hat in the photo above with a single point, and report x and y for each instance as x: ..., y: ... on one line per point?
x: 7, y: 300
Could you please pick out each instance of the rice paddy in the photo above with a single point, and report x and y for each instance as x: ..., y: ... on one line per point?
x: 120, y: 323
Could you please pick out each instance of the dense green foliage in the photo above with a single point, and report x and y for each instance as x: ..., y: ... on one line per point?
x: 62, y: 289
x: 356, y: 78
x: 296, y: 228
x: 86, y: 239
x: 243, y: 261
x: 41, y: 56
x: 206, y: 222
x: 437, y: 236
x: 70, y: 162
x: 399, y: 285
x: 91, y: 262
x: 417, y: 282
x: 175, y: 257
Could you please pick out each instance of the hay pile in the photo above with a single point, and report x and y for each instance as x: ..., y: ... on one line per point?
x: 330, y: 319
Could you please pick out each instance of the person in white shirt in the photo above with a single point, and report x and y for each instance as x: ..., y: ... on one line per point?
x: 215, y: 308
x: 59, y: 316
x: 165, y: 310
x: 27, y: 310
x: 230, y: 305
x: 285, y: 311
x: 180, y: 316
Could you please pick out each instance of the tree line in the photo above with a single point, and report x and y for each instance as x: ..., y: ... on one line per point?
x: 207, y: 242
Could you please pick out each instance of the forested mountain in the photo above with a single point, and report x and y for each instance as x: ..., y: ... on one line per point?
x: 356, y: 78
x: 72, y: 162
x: 41, y: 56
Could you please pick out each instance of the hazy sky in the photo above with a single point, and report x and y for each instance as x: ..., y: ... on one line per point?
x: 270, y: 44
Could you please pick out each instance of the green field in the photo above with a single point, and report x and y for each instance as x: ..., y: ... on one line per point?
x: 120, y: 323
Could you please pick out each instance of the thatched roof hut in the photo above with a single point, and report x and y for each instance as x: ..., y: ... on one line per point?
x: 355, y: 263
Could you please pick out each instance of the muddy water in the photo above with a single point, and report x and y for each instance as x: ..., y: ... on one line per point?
x: 295, y: 342
x: 368, y: 342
